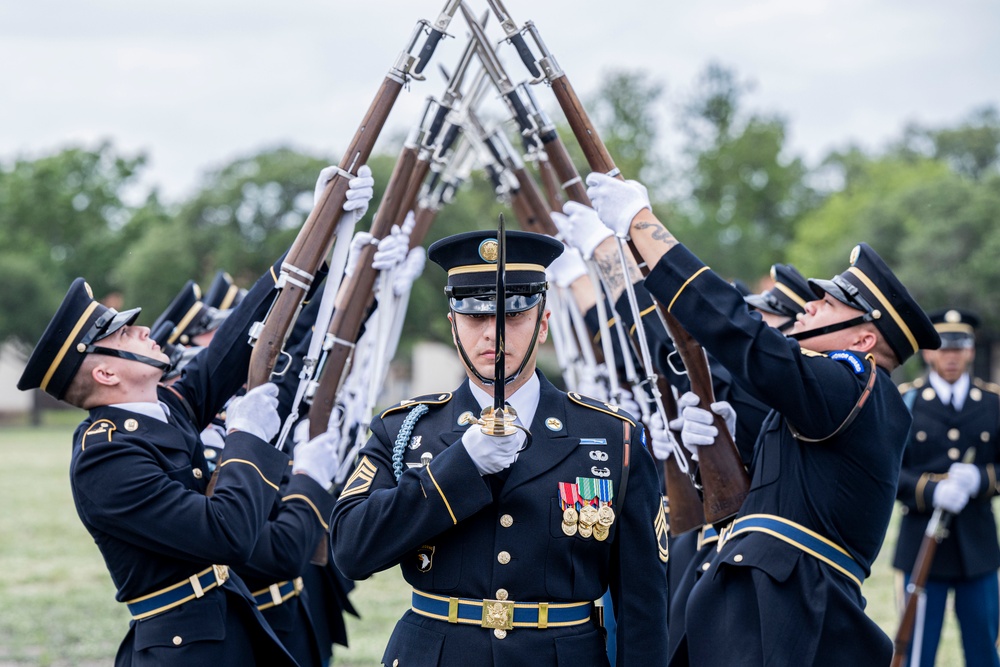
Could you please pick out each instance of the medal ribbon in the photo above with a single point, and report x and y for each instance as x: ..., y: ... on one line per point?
x: 588, y: 489
x: 569, y: 495
x: 605, y: 490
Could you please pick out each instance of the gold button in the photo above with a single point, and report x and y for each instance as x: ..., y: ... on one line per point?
x: 177, y: 640
x: 953, y: 434
x: 928, y: 394
x: 975, y: 394
x: 921, y: 436
x: 501, y: 594
x: 395, y: 663
x: 506, y: 521
x: 503, y: 557
x: 499, y: 634
x: 197, y: 473
x: 985, y: 436
x: 953, y: 453
x: 738, y: 558
x: 705, y: 566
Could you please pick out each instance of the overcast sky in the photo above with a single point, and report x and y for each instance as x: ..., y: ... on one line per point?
x: 195, y: 84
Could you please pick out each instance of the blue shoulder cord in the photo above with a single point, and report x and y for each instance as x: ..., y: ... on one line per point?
x: 403, y: 438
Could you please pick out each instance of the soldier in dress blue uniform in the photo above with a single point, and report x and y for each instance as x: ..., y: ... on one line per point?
x: 953, y: 413
x: 507, y: 540
x: 140, y: 479
x: 785, y: 585
x: 780, y: 305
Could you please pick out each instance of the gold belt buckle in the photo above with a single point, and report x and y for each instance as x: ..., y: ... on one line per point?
x: 221, y: 573
x: 498, y: 614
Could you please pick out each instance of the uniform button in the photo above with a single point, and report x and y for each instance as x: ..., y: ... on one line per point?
x: 499, y: 634
x: 177, y: 640
x: 506, y: 521
x: 502, y: 594
x: 197, y: 473
x: 928, y: 394
x: 395, y: 663
x: 975, y: 394
x: 985, y: 436
x: 921, y: 436
x: 953, y: 453
x: 904, y: 510
x: 503, y: 557
x: 738, y: 558
x: 953, y: 434
x: 705, y: 566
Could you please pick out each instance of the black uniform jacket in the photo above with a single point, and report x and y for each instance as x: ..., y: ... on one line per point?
x: 458, y: 534
x: 841, y: 488
x: 939, y: 437
x: 139, y: 483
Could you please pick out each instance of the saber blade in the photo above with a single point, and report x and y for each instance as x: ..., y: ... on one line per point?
x: 500, y: 357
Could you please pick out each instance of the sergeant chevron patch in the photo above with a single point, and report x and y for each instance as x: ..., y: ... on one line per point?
x: 661, y: 535
x: 361, y: 479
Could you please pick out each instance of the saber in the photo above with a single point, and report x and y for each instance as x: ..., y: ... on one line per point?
x: 500, y: 357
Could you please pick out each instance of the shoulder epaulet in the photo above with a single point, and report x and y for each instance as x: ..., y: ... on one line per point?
x: 99, y: 431
x: 920, y: 382
x: 600, y: 406
x: 811, y: 353
x: 427, y: 399
x: 905, y: 387
x: 986, y: 386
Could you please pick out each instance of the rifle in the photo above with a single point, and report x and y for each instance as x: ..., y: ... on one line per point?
x: 936, y: 531
x: 725, y: 480
x: 315, y: 238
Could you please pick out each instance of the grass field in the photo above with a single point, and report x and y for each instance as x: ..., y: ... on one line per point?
x: 57, y: 603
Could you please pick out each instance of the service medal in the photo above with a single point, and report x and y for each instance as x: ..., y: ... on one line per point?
x: 570, y: 515
x: 605, y: 515
x: 586, y: 531
x: 588, y: 517
x: 569, y: 528
x: 601, y: 532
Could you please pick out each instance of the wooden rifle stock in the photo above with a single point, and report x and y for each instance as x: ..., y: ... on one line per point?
x: 315, y: 238
x: 725, y: 482
x: 550, y: 183
x: 534, y: 204
x: 348, y: 318
x: 685, y: 504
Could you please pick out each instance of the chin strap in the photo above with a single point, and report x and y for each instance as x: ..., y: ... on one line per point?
x: 524, y: 362
x: 131, y: 356
x: 830, y: 328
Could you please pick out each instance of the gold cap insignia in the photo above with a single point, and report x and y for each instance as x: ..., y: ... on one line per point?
x: 489, y: 250
x: 131, y: 425
x: 953, y: 317
x: 854, y: 254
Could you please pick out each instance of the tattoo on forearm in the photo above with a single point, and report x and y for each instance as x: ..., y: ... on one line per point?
x: 659, y: 232
x: 611, y: 270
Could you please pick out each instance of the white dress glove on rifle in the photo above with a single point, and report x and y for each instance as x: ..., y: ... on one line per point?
x: 662, y: 437
x: 581, y: 228
x: 492, y: 453
x: 687, y: 399
x: 391, y: 250
x: 409, y: 271
x: 950, y: 496
x: 616, y: 201
x: 317, y: 457
x: 566, y: 268
x: 255, y: 412
x: 967, y: 475
x: 360, y: 190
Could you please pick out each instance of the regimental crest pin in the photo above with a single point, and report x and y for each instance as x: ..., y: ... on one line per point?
x: 415, y: 442
x: 553, y: 424
x: 131, y: 425
x: 425, y: 558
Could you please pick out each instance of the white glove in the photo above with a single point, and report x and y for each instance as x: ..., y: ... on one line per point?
x: 492, y: 453
x: 391, y: 250
x: 581, y: 228
x: 360, y: 191
x: 699, y: 424
x: 686, y: 400
x: 566, y: 268
x: 255, y: 412
x: 616, y: 202
x: 628, y: 403
x: 662, y: 437
x: 967, y: 475
x: 409, y: 271
x: 950, y: 496
x: 317, y: 457
x: 358, y: 243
